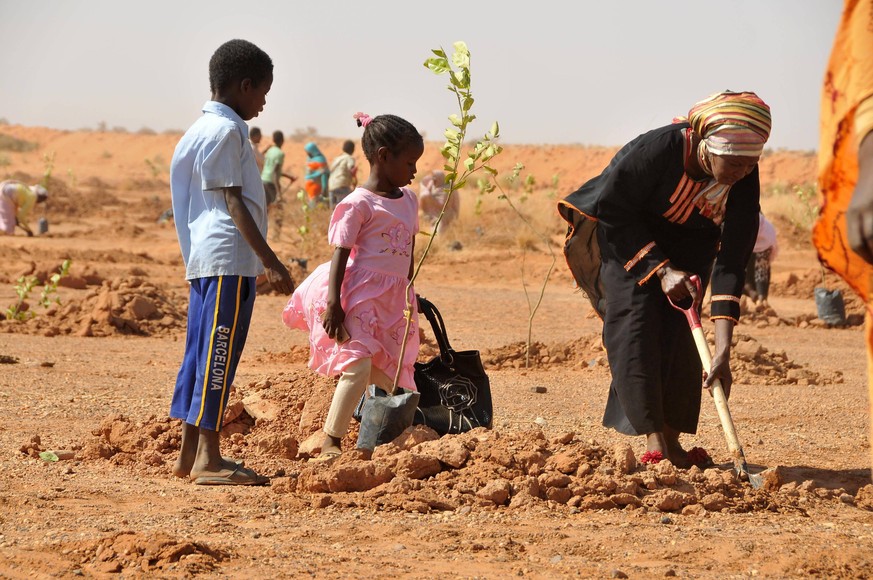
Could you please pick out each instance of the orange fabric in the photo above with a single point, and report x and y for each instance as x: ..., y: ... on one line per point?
x: 313, y: 189
x: 869, y: 334
x: 847, y: 83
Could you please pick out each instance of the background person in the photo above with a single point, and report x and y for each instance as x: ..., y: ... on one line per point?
x: 432, y: 195
x: 317, y: 174
x: 759, y: 267
x: 846, y: 162
x: 671, y: 202
x: 343, y: 175
x: 255, y: 139
x: 274, y: 160
x: 17, y: 200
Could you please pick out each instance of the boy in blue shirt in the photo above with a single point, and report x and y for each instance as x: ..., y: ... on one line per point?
x: 219, y: 208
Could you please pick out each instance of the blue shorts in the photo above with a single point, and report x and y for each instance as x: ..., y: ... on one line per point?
x: 219, y: 313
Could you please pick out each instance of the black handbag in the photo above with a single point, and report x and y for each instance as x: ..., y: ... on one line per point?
x: 455, y: 390
x: 455, y: 393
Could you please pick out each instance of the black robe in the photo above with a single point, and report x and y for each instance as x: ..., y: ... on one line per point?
x: 624, y: 224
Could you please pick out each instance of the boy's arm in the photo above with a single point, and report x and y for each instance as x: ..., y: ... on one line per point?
x: 277, y: 273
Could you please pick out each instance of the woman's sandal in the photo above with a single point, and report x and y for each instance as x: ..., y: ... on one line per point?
x: 652, y: 457
x: 699, y: 457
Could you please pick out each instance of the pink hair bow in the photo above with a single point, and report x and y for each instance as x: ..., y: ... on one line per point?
x: 363, y: 119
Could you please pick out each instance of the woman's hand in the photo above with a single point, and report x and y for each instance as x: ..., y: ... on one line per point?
x: 676, y: 284
x: 721, y: 370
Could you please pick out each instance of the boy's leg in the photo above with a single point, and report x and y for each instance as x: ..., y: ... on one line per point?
x: 349, y: 389
x: 227, y: 303
x: 186, y: 381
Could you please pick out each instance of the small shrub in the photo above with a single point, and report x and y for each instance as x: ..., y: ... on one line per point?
x: 9, y: 143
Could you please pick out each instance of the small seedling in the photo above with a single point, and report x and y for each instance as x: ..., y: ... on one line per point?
x: 532, y: 305
x: 457, y: 172
x: 48, y: 160
x: 25, y: 285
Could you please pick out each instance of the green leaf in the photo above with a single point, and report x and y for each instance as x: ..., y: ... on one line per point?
x: 456, y: 120
x: 48, y: 456
x: 461, y: 56
x: 495, y: 129
x: 437, y: 65
x: 489, y: 169
x: 451, y: 135
x: 469, y: 163
x: 439, y: 52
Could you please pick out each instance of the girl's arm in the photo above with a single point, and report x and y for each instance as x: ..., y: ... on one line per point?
x: 334, y: 315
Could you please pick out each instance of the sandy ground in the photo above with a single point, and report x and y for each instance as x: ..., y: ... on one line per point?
x: 547, y: 493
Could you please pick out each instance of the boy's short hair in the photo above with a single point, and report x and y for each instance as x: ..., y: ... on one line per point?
x: 236, y: 60
x: 255, y: 132
x: 278, y: 137
x: 349, y: 146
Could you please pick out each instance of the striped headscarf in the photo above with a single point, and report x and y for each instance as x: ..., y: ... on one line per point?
x: 732, y: 123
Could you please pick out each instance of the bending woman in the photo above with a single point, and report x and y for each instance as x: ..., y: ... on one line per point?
x: 671, y: 203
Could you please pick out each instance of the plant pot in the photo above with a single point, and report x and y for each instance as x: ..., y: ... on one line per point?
x: 829, y: 306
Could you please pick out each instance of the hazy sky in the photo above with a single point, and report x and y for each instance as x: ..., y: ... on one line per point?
x: 577, y: 71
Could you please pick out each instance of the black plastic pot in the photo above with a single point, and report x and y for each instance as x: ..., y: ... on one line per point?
x: 829, y: 306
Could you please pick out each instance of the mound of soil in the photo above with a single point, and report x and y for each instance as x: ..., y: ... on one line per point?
x: 157, y: 553
x: 802, y: 284
x: 124, y: 305
x: 586, y: 352
x: 751, y: 362
x: 270, y: 422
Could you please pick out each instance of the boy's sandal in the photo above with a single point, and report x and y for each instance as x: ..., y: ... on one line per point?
x: 652, y: 457
x: 322, y: 457
x: 239, y: 476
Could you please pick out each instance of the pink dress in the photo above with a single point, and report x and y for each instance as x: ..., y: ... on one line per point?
x: 379, y: 231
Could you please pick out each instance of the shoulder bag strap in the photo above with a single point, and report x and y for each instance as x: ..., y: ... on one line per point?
x: 433, y: 315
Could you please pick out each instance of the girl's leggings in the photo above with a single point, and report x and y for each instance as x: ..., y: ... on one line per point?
x: 351, y: 386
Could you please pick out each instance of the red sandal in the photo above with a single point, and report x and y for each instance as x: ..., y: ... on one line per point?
x: 652, y: 457
x: 699, y: 457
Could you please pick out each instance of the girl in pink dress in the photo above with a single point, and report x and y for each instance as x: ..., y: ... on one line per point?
x: 353, y: 306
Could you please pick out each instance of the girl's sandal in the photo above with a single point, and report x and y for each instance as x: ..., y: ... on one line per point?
x: 652, y: 457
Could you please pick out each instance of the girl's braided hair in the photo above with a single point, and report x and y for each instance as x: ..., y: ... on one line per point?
x: 390, y: 131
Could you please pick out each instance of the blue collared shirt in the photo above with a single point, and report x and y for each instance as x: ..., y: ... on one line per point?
x: 213, y: 154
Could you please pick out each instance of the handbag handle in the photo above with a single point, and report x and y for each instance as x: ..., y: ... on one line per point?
x: 433, y: 315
